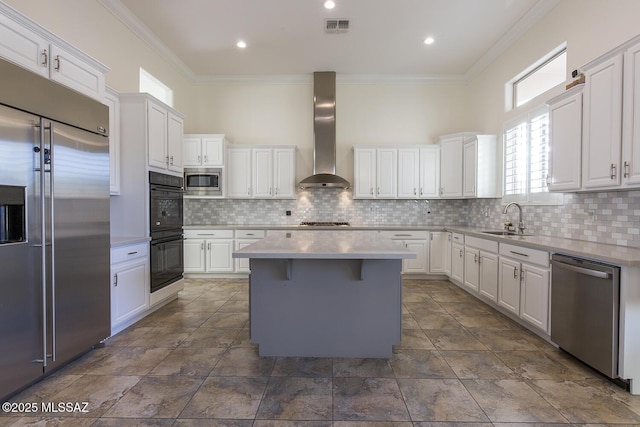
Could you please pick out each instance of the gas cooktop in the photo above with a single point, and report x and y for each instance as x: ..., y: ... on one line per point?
x: 324, y: 224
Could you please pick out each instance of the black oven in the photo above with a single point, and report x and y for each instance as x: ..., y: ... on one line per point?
x: 165, y: 221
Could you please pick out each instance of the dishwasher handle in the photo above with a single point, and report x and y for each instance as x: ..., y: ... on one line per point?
x: 582, y: 270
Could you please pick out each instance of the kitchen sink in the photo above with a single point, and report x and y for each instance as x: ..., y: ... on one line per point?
x: 504, y: 233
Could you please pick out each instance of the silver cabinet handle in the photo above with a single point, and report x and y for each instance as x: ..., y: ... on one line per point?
x: 372, y: 191
x: 378, y: 191
x: 115, y: 279
x: 45, y: 58
x: 421, y: 192
x: 441, y: 190
x: 206, y: 158
x: 166, y: 160
x: 613, y: 171
x: 402, y: 235
x: 132, y: 253
x: 415, y: 191
x: 460, y: 253
x: 57, y: 67
x: 475, y: 258
x: 519, y: 253
x: 202, y: 246
x: 626, y: 169
x: 209, y: 246
x: 198, y: 158
x: 515, y: 273
x: 171, y: 160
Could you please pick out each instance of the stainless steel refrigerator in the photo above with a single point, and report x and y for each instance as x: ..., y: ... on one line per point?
x: 54, y: 226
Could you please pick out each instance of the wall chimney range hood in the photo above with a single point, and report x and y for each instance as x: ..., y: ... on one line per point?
x: 324, y: 134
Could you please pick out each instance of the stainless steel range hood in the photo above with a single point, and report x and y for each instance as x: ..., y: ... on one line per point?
x: 324, y: 134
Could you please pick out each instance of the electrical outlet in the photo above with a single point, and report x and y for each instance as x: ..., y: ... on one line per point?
x: 592, y: 214
x: 288, y: 213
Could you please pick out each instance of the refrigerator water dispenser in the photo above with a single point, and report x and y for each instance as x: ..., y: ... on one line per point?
x: 12, y: 214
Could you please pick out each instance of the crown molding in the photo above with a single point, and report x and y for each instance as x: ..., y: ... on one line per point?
x: 124, y: 15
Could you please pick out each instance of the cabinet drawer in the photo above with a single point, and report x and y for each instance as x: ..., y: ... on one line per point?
x: 405, y: 235
x: 208, y: 234
x: 250, y: 234
x: 483, y: 244
x: 128, y: 252
x: 457, y: 238
x: 533, y: 256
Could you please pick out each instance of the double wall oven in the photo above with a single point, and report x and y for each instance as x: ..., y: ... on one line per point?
x: 165, y: 209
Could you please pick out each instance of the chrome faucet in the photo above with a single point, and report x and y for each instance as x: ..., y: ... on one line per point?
x: 521, y: 226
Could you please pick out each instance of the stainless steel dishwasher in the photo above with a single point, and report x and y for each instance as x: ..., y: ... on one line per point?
x: 584, y: 311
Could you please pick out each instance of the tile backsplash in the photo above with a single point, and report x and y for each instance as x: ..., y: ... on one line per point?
x: 606, y: 217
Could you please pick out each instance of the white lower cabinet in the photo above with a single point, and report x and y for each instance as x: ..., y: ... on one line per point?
x: 416, y: 241
x: 208, y: 251
x: 439, y: 257
x: 129, y: 284
x: 244, y: 238
x: 457, y: 258
x: 481, y: 266
x: 524, y: 284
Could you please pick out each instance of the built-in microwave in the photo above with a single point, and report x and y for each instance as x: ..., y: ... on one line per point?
x: 203, y: 181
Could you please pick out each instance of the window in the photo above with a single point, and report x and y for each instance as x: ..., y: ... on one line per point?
x: 526, y: 160
x: 155, y: 87
x: 546, y: 73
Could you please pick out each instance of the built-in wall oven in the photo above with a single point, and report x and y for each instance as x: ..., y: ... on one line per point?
x: 165, y: 210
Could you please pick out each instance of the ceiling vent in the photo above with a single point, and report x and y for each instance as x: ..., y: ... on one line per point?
x: 336, y: 25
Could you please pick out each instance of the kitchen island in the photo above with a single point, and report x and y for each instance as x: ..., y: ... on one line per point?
x: 325, y: 294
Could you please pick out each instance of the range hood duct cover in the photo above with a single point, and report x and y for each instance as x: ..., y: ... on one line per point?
x: 324, y: 134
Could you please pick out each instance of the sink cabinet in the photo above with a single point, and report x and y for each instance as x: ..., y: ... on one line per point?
x: 524, y: 283
x: 481, y: 267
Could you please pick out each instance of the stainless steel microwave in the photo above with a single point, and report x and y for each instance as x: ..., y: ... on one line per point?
x: 203, y: 181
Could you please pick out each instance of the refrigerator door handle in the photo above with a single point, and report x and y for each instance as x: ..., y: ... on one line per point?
x: 48, y: 160
x: 43, y: 245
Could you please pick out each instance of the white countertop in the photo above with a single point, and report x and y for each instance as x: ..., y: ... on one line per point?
x: 337, y: 244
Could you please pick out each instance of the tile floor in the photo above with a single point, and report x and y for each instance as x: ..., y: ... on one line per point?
x: 460, y: 364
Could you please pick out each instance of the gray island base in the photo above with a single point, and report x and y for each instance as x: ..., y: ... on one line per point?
x: 325, y: 294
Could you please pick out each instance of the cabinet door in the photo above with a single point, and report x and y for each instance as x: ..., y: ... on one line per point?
x: 194, y: 255
x: 470, y: 169
x: 23, y: 47
x: 364, y: 172
x: 631, y: 120
x: 418, y: 265
x: 457, y: 262
x: 451, y: 168
x: 192, y: 151
x: 565, y: 122
x: 489, y: 275
x: 262, y: 169
x: 238, y: 173
x: 430, y: 172
x: 71, y: 71
x: 602, y: 130
x: 174, y: 142
x: 437, y: 241
x: 535, y: 296
x: 447, y: 250
x: 212, y: 151
x: 130, y: 290
x: 386, y: 173
x: 219, y: 255
x: 157, y: 135
x: 509, y: 285
x: 242, y: 264
x: 471, y: 268
x: 112, y: 101
x: 408, y: 173
x: 284, y: 173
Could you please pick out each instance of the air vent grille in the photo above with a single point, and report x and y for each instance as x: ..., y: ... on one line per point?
x: 336, y: 25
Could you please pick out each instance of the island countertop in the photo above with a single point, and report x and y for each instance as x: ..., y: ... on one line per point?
x: 326, y: 245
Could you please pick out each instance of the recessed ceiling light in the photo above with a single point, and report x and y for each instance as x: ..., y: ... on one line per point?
x: 329, y: 4
x: 429, y: 40
x: 241, y: 44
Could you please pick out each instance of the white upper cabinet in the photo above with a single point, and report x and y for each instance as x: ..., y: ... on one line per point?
x: 451, y: 152
x: 32, y: 47
x: 565, y: 127
x: 261, y: 172
x: 175, y: 131
x: 418, y: 172
x: 602, y: 118
x: 469, y: 166
x: 631, y: 118
x: 375, y: 172
x: 204, y: 150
